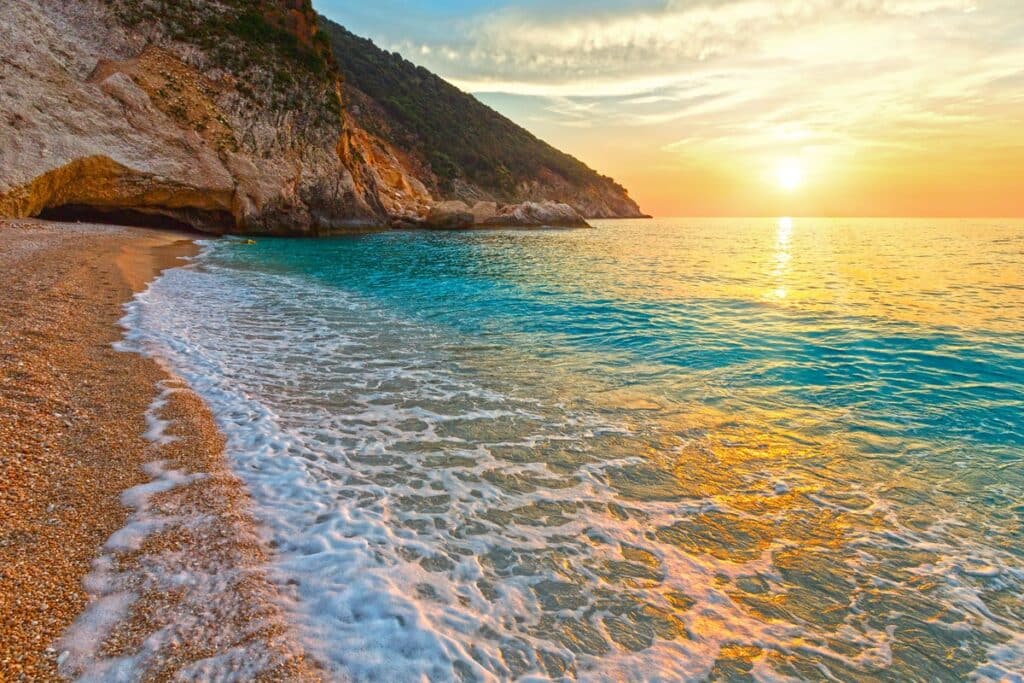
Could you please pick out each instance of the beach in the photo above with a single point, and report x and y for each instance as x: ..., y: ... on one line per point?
x: 80, y: 429
x: 698, y: 449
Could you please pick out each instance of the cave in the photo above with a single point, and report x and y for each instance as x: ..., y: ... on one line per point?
x: 189, y: 220
x: 97, y: 189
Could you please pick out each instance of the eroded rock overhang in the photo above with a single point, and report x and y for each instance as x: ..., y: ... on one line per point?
x: 97, y: 188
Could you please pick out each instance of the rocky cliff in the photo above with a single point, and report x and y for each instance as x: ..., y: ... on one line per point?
x: 462, y: 149
x: 226, y: 116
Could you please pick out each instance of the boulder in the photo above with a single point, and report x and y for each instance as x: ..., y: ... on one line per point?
x: 406, y: 222
x: 538, y: 215
x: 484, y: 212
x: 453, y: 215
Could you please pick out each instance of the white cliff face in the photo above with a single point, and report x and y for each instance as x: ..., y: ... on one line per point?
x: 90, y: 116
x: 68, y: 136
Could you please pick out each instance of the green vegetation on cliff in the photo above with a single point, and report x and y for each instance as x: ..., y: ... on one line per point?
x: 456, y: 134
x: 273, y: 46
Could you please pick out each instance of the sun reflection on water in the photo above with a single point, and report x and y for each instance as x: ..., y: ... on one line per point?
x: 782, y: 256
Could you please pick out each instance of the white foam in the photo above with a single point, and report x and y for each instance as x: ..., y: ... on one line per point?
x: 112, y: 591
x: 156, y: 426
x: 79, y: 646
x: 1005, y: 663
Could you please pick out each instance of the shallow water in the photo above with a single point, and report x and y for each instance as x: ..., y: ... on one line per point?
x: 671, y: 449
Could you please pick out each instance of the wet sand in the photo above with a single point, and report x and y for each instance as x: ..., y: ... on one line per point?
x: 72, y: 424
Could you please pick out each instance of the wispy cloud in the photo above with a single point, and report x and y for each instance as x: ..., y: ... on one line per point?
x: 516, y: 46
x: 818, y: 63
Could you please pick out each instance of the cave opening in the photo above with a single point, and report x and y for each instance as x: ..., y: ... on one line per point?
x: 187, y: 220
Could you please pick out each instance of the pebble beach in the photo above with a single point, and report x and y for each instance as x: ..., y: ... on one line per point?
x: 96, y: 510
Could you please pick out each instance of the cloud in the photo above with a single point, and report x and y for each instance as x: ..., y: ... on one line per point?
x: 670, y: 93
x: 527, y: 50
x: 695, y: 31
x: 841, y: 70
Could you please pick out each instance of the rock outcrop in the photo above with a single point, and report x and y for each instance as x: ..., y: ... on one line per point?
x: 452, y: 215
x: 537, y: 215
x: 227, y: 116
x: 484, y: 212
x: 457, y: 215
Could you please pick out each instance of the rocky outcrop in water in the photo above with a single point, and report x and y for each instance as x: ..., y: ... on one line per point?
x: 457, y: 215
x: 452, y: 215
x: 537, y: 215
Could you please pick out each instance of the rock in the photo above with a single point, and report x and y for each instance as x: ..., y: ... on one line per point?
x: 451, y: 215
x: 484, y: 212
x: 407, y: 223
x: 538, y: 215
x: 604, y: 199
x: 386, y: 169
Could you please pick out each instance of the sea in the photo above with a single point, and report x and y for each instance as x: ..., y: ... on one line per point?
x: 762, y: 449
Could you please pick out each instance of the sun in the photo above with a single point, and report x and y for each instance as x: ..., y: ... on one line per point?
x: 790, y: 174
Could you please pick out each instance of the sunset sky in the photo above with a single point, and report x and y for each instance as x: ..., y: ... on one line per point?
x: 747, y: 107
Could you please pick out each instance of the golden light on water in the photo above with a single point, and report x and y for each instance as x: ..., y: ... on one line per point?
x: 782, y: 256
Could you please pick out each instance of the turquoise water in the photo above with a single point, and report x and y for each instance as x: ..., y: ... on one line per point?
x: 663, y: 450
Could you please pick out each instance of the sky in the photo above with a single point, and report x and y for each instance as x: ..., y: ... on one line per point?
x: 746, y: 107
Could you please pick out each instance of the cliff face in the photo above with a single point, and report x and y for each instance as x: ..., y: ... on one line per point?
x: 208, y: 114
x: 226, y: 116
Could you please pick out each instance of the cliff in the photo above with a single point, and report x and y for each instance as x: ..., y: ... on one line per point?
x: 227, y: 116
x: 222, y: 116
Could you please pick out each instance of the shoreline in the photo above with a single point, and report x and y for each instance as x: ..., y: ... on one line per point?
x: 88, y: 498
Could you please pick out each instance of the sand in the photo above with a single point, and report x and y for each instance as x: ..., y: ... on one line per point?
x: 72, y: 420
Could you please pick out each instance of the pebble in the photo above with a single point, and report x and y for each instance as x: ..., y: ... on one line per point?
x: 60, y: 292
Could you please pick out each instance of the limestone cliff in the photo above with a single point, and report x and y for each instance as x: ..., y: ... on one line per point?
x: 225, y: 116
x: 214, y: 115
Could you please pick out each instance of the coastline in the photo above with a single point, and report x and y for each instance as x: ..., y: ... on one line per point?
x: 115, y: 476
